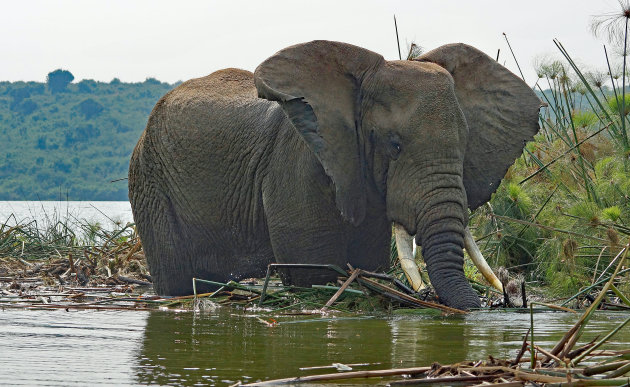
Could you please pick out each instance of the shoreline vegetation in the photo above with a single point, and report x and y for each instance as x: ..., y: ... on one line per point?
x: 90, y: 262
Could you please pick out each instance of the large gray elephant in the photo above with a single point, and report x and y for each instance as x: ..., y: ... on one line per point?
x: 311, y: 158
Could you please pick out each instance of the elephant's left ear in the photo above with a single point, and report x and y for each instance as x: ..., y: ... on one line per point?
x: 318, y: 84
x: 501, y: 112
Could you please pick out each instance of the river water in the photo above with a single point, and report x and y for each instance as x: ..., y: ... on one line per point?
x: 224, y: 345
x: 229, y: 345
x: 45, y: 213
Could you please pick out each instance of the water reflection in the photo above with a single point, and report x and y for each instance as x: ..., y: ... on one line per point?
x: 228, y: 345
x: 425, y: 340
x: 232, y: 346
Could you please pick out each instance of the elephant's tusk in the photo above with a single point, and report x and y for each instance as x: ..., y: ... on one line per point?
x: 404, y: 245
x: 479, y: 260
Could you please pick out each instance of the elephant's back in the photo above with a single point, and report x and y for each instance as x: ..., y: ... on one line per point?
x: 222, y: 102
x: 208, y: 141
x: 228, y: 84
x: 204, y: 121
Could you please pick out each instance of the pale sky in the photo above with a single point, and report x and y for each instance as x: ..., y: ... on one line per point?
x: 179, y: 40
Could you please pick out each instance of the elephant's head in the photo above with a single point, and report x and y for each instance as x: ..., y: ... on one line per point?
x: 432, y: 136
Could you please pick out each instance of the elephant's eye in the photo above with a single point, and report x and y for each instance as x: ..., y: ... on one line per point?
x: 396, y: 148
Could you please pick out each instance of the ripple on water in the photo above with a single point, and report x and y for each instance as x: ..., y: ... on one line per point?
x: 129, y: 348
x: 61, y: 348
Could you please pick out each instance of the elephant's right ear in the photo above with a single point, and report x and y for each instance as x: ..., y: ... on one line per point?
x: 318, y: 85
x: 501, y: 112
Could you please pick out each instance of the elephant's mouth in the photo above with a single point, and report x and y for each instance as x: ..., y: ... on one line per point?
x: 404, y: 244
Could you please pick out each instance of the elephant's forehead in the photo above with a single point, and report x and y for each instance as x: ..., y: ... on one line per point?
x: 404, y: 90
x: 410, y: 83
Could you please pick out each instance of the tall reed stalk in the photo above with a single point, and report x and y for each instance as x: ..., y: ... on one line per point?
x: 564, y: 205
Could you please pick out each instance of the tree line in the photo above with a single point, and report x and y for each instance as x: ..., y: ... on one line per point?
x: 71, y: 140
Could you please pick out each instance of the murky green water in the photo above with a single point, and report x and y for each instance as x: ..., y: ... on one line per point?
x: 227, y: 345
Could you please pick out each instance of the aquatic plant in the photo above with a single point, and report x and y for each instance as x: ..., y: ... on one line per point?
x: 614, y: 26
x: 73, y: 250
x: 563, y: 207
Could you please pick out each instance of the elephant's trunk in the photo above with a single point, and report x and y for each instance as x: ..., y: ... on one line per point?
x: 441, y: 234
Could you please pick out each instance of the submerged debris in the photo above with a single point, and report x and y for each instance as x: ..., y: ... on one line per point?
x: 61, y: 267
x: 492, y: 371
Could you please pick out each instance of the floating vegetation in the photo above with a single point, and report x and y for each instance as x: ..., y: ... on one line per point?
x: 69, y: 264
x: 60, y: 266
x: 566, y: 364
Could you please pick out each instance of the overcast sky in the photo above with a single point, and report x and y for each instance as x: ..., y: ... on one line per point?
x: 179, y: 40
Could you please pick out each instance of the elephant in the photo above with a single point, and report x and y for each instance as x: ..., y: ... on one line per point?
x: 311, y: 159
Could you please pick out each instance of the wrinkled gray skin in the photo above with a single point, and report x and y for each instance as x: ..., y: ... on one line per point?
x: 311, y: 158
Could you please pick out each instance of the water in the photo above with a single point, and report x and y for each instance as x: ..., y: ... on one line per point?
x: 229, y: 345
x: 108, y: 214
x: 62, y: 348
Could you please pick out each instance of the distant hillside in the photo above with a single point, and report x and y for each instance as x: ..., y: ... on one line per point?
x: 70, y: 140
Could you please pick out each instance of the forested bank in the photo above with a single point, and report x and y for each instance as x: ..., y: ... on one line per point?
x: 70, y: 140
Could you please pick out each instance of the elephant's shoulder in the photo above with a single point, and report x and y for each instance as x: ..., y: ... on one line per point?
x: 231, y: 84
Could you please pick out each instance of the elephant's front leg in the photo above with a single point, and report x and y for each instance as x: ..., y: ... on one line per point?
x: 306, y: 229
x: 370, y: 245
